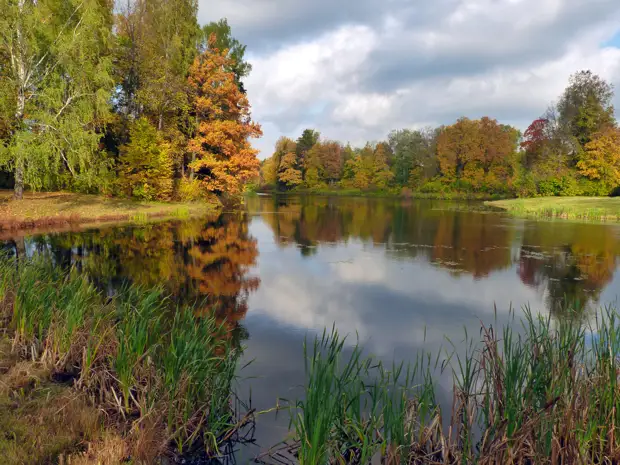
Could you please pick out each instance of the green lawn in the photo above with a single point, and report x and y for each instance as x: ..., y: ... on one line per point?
x: 50, y: 208
x: 587, y: 208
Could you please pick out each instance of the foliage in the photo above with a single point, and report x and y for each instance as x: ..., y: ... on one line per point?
x: 601, y: 159
x: 57, y: 82
x: 145, y: 164
x: 225, y: 41
x: 224, y: 159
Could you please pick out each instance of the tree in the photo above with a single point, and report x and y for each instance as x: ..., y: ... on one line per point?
x: 146, y: 164
x: 482, y: 153
x: 58, y: 83
x: 413, y: 155
x: 305, y: 142
x: 289, y: 172
x: 329, y: 159
x: 381, y: 174
x: 269, y: 172
x: 236, y: 50
x: 224, y: 159
x: 601, y: 158
x: 585, y: 108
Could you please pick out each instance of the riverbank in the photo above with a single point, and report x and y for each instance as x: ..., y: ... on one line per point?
x: 134, y: 369
x: 581, y: 208
x: 42, y: 209
x: 388, y: 193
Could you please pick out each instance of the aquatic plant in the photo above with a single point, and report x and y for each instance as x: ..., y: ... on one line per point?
x: 536, y: 392
x: 159, y: 368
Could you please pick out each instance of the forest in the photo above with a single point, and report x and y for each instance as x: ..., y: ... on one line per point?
x: 572, y: 149
x: 134, y: 100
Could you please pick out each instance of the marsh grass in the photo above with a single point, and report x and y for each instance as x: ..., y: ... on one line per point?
x: 157, y: 368
x: 535, y: 392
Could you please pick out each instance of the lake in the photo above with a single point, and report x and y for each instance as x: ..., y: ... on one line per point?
x: 400, y: 276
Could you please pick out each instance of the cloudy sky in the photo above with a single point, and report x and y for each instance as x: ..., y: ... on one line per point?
x: 356, y: 69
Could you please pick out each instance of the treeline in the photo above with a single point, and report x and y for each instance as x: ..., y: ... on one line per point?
x: 134, y: 99
x: 573, y: 149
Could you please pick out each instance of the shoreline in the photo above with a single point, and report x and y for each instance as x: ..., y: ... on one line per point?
x: 605, y: 209
x: 62, y: 209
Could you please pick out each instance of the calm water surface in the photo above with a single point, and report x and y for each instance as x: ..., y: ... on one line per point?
x: 399, y: 275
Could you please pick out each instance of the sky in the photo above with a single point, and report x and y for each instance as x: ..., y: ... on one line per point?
x: 357, y: 69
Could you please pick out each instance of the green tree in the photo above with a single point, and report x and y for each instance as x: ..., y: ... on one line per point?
x: 586, y: 107
x: 146, y: 167
x: 305, y: 142
x: 225, y: 41
x: 414, y: 156
x: 58, y: 82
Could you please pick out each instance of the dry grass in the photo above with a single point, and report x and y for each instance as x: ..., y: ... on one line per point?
x: 61, y: 208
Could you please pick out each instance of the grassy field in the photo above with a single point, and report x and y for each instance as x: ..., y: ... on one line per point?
x: 58, y: 208
x: 585, y: 208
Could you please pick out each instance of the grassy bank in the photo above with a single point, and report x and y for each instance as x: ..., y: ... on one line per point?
x: 538, y: 392
x: 159, y: 376
x: 585, y: 208
x: 59, y: 208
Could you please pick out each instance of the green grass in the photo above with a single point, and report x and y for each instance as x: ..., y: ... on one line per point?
x: 585, y: 208
x: 536, y: 391
x: 142, y: 358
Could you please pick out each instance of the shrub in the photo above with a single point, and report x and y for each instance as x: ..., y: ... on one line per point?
x: 525, y: 185
x: 190, y: 190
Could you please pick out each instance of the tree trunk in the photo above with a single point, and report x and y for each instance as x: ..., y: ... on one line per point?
x: 20, y: 65
x: 18, y: 193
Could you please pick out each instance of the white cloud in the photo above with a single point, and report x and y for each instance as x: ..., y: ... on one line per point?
x: 356, y: 73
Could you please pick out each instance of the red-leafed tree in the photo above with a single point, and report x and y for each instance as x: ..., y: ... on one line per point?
x: 222, y: 157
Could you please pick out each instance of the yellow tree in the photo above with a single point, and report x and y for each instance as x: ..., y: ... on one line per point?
x: 289, y: 173
x: 601, y: 159
x: 222, y: 157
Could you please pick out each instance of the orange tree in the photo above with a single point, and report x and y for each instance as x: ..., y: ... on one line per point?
x: 222, y: 158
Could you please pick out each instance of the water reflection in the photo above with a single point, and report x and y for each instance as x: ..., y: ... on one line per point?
x: 401, y: 275
x: 203, y: 262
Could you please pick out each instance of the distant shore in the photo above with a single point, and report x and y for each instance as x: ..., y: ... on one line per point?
x: 579, y: 208
x: 388, y: 193
x: 47, y: 209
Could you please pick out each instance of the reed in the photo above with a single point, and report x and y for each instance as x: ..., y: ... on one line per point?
x: 140, y: 357
x: 536, y: 391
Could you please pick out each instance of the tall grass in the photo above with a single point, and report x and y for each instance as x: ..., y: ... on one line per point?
x: 536, y: 391
x: 138, y: 355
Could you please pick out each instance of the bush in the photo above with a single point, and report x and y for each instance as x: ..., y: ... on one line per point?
x: 433, y: 186
x: 190, y: 190
x: 525, y: 185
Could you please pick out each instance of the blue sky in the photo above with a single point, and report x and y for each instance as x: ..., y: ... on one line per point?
x: 356, y: 69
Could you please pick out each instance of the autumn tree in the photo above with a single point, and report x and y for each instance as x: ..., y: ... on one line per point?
x: 601, y: 159
x: 146, y: 164
x: 477, y: 152
x: 225, y: 41
x: 58, y: 83
x: 381, y: 174
x: 223, y: 159
x: 289, y: 169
